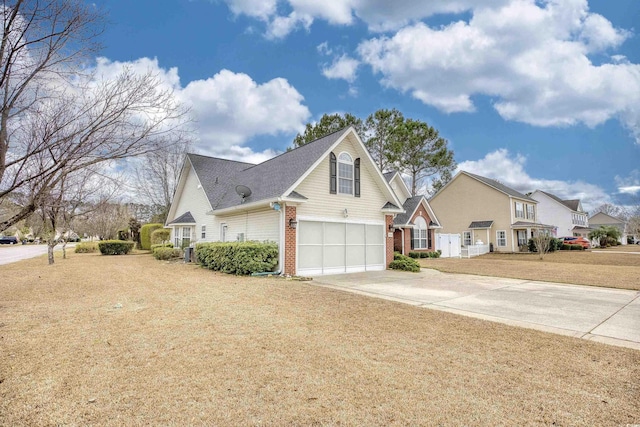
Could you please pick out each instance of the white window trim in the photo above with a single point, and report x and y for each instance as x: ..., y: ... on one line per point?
x: 223, y: 231
x: 339, y: 177
x: 464, y: 238
x: 498, y: 238
x: 203, y: 231
x: 418, y: 238
x: 515, y: 208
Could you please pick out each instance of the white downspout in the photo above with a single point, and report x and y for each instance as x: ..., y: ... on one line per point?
x: 402, y: 234
x: 281, y: 244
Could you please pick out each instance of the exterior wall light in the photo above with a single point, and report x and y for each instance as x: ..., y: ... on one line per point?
x: 293, y: 223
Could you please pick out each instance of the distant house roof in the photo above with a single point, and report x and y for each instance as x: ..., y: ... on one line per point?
x: 500, y: 186
x: 481, y: 224
x: 185, y: 218
x: 573, y: 204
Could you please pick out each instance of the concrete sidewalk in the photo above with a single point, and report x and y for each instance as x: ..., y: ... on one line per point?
x: 606, y: 315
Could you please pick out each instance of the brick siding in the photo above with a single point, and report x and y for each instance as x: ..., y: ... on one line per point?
x: 289, y: 242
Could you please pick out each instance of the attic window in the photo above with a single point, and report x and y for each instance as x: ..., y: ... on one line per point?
x: 345, y: 174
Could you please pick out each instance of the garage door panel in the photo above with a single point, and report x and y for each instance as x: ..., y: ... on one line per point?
x: 355, y: 234
x: 355, y: 255
x: 310, y: 232
x: 310, y: 257
x: 334, y: 233
x: 334, y: 256
x: 375, y: 255
x: 375, y: 234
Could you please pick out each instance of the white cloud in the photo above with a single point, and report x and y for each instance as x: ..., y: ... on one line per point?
x: 510, y: 170
x: 530, y: 57
x: 630, y: 184
x: 343, y: 67
x: 229, y: 108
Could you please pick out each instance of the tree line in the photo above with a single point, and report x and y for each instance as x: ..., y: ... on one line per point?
x: 396, y: 143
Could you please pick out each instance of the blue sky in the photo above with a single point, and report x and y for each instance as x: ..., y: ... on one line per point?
x: 537, y: 94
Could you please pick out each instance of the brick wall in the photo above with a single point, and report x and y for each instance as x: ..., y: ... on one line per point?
x: 289, y: 242
x: 421, y: 211
x: 388, y: 222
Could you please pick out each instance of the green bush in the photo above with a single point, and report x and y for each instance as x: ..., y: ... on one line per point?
x: 238, y: 257
x: 402, y: 262
x: 115, y: 247
x: 86, y: 248
x: 554, y: 245
x: 145, y: 235
x: 576, y: 247
x: 166, y: 253
x: 414, y: 255
x: 161, y: 245
x: 161, y: 235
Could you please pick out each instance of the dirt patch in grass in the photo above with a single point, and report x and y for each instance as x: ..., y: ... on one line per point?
x: 128, y: 340
x: 610, y: 269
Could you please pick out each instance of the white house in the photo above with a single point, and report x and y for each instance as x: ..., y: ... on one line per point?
x: 567, y: 216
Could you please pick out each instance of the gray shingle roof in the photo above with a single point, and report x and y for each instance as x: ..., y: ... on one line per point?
x: 389, y: 205
x: 185, y: 218
x: 573, y: 204
x: 501, y: 187
x: 525, y: 224
x: 388, y: 175
x: 266, y: 180
x: 481, y: 224
x: 409, y: 207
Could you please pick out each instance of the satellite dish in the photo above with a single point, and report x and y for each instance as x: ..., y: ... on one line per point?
x: 243, y: 191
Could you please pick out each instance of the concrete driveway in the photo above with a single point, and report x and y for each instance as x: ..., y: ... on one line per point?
x: 611, y: 316
x: 15, y: 253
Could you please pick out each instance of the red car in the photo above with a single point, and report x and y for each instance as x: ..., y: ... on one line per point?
x: 577, y: 241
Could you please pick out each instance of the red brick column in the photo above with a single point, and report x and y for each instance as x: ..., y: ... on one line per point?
x: 389, y: 240
x: 407, y: 241
x: 289, y: 242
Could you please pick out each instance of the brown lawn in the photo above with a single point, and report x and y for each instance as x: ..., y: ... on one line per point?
x: 127, y: 340
x: 609, y: 267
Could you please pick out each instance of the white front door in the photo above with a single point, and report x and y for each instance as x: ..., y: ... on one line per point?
x: 338, y: 247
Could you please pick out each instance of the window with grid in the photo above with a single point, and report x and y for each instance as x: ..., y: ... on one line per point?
x: 519, y: 210
x: 203, y: 232
x: 501, y: 238
x: 522, y: 237
x: 186, y: 237
x: 345, y: 174
x: 467, y: 238
x: 531, y: 213
x: 420, y: 234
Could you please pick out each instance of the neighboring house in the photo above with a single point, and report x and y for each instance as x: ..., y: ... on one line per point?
x: 601, y: 218
x: 484, y: 210
x: 326, y: 205
x: 414, y: 229
x: 567, y: 216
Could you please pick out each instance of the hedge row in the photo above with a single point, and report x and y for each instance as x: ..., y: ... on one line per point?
x: 86, y: 247
x: 166, y: 253
x: 238, y: 257
x: 161, y: 245
x: 160, y: 236
x: 145, y: 235
x: 403, y: 262
x: 115, y: 247
x: 431, y: 254
x: 566, y: 247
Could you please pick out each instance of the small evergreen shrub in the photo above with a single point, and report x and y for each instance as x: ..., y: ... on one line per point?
x: 161, y: 245
x: 161, y: 235
x: 414, y: 255
x: 123, y: 234
x: 86, y: 248
x: 145, y: 235
x: 576, y: 247
x: 402, y: 262
x: 166, y: 253
x: 238, y: 257
x: 115, y: 247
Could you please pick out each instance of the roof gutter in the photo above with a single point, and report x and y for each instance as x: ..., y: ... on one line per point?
x: 255, y: 205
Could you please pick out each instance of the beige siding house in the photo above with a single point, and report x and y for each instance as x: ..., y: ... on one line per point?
x: 484, y: 210
x: 601, y: 218
x: 325, y: 204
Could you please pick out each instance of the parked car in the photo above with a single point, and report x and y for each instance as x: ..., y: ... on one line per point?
x: 577, y: 241
x: 8, y: 240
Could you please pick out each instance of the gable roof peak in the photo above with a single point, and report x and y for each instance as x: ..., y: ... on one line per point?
x: 498, y: 186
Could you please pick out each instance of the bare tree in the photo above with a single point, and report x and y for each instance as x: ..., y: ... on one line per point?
x: 56, y: 118
x: 613, y: 210
x: 87, y: 125
x: 542, y: 241
x: 156, y: 175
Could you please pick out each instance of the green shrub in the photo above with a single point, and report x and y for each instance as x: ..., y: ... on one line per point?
x: 435, y: 254
x: 115, y: 247
x: 166, y: 253
x: 145, y: 235
x: 402, y: 262
x: 397, y: 255
x: 565, y: 247
x: 576, y: 247
x: 414, y: 255
x: 238, y: 257
x: 161, y: 245
x: 86, y: 248
x: 123, y: 234
x: 161, y: 235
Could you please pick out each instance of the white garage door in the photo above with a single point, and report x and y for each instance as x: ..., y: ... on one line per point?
x: 335, y: 247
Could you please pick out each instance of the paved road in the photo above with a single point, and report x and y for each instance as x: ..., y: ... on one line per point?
x: 15, y: 253
x: 607, y: 315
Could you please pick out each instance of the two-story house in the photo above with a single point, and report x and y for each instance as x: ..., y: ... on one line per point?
x: 484, y: 210
x: 567, y: 216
